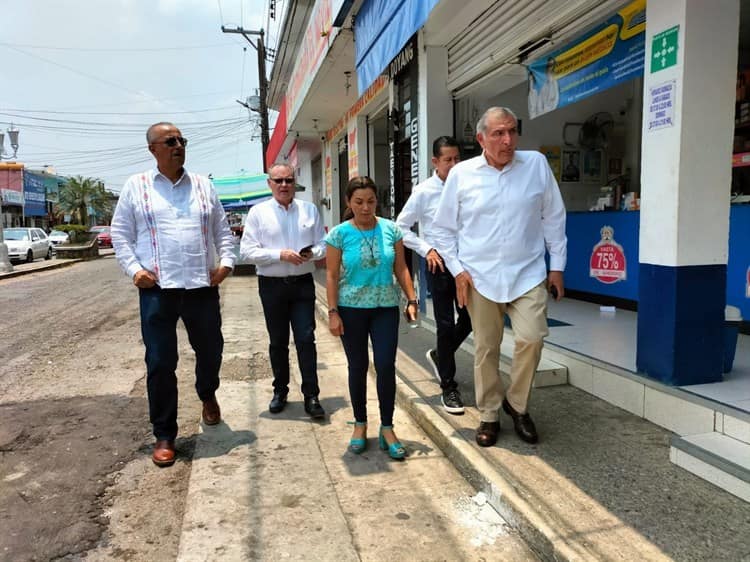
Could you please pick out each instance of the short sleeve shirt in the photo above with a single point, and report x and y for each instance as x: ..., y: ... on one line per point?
x: 367, y: 258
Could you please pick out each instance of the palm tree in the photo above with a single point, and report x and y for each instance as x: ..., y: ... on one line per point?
x: 79, y: 194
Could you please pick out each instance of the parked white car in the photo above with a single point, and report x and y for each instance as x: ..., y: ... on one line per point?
x: 57, y: 237
x: 27, y: 244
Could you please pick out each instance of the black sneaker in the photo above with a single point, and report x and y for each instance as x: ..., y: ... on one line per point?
x: 432, y: 358
x: 452, y: 402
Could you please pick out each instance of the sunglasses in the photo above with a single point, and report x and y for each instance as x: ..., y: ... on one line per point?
x: 172, y: 141
x: 288, y: 181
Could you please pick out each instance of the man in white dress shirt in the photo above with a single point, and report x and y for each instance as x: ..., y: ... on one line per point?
x: 283, y: 237
x: 498, y: 214
x: 451, y: 332
x: 171, y: 236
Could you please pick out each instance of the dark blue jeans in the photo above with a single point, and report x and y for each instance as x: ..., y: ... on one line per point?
x: 200, y: 312
x: 450, y: 332
x: 291, y: 300
x: 381, y: 326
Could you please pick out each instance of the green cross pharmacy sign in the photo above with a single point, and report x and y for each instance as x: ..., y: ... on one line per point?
x: 664, y: 49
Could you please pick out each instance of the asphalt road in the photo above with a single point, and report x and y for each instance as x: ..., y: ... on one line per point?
x: 74, y: 434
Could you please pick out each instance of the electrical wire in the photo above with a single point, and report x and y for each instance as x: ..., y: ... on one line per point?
x: 112, y: 50
x: 80, y: 73
x: 222, y: 108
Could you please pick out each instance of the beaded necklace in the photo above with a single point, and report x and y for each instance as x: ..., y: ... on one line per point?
x: 371, y: 262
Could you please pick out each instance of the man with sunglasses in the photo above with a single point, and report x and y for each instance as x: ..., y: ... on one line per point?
x: 283, y: 237
x: 171, y: 236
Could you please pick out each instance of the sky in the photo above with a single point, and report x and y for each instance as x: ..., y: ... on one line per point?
x: 83, y: 79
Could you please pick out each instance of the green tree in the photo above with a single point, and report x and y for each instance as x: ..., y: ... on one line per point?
x: 79, y: 193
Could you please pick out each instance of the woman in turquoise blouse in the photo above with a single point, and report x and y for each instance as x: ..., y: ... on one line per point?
x: 363, y: 256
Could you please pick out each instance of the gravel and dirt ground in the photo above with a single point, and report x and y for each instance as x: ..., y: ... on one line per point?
x: 75, y: 442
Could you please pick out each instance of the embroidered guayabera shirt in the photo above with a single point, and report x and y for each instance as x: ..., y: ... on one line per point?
x: 178, y: 231
x: 497, y: 224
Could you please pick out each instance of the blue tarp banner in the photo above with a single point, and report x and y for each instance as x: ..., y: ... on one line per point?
x: 34, y: 196
x: 610, y: 53
x: 383, y: 28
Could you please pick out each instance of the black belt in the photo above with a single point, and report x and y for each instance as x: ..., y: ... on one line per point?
x: 289, y: 279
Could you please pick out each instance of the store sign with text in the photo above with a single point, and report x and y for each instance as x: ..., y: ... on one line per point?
x: 11, y: 197
x: 318, y: 37
x: 607, y: 263
x: 611, y: 53
x: 351, y: 137
x: 661, y: 101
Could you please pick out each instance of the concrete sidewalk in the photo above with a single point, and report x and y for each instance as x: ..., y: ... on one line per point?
x: 282, y: 487
x: 598, y: 486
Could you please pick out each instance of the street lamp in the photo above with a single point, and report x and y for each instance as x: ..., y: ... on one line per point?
x: 5, y: 265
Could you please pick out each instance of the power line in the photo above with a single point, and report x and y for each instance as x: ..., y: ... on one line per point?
x: 113, y: 50
x: 43, y: 111
x: 138, y: 126
x: 71, y: 69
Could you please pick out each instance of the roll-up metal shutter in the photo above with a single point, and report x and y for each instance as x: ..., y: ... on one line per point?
x: 493, y: 42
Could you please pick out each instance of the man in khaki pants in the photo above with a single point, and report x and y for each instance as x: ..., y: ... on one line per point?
x: 498, y: 214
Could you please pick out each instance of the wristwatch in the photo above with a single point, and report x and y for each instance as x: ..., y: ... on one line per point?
x: 333, y: 311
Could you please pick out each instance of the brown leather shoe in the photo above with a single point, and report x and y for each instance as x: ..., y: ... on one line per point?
x: 164, y: 453
x: 211, y: 411
x: 487, y: 433
x: 522, y: 423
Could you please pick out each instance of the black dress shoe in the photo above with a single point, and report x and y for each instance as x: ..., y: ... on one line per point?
x: 313, y: 408
x: 278, y: 402
x: 487, y: 433
x: 522, y: 423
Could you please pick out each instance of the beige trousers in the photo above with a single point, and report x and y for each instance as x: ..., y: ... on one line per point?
x: 528, y: 314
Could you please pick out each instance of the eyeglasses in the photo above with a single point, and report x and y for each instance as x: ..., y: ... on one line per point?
x: 172, y: 141
x: 288, y: 181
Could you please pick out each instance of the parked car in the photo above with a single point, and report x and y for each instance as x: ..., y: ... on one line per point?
x: 104, y: 236
x: 27, y: 244
x: 57, y: 237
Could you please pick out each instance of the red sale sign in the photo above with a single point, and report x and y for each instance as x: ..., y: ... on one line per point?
x: 607, y: 262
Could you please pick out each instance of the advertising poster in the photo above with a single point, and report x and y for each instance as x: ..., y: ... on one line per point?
x: 607, y: 262
x: 571, y: 166
x: 552, y: 153
x: 34, y: 195
x: 610, y: 53
x: 351, y: 141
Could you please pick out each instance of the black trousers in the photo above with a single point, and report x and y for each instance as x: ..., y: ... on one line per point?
x: 200, y: 312
x: 451, y: 332
x: 381, y: 326
x: 291, y: 301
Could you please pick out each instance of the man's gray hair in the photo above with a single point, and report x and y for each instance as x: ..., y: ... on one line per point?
x: 281, y: 165
x: 150, y: 133
x: 502, y: 111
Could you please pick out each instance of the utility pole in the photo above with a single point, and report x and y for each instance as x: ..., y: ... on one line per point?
x: 260, y: 47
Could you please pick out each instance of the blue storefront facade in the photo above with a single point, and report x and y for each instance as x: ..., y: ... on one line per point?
x: 34, y: 199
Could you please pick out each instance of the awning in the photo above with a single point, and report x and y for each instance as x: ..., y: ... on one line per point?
x: 241, y: 188
x: 243, y: 203
x: 383, y: 28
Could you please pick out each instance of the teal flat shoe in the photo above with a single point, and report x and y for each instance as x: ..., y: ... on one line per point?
x: 395, y: 450
x: 358, y: 445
